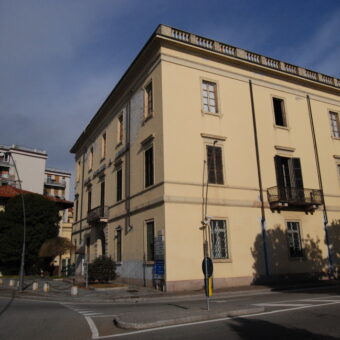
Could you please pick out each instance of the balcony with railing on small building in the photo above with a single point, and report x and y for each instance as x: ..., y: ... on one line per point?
x: 298, y: 199
x: 7, y: 179
x: 5, y: 161
x: 54, y: 183
x: 98, y: 214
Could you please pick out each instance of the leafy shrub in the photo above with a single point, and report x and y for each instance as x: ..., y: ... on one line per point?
x: 102, y: 269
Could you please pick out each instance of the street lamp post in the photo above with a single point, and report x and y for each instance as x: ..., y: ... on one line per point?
x: 22, y: 264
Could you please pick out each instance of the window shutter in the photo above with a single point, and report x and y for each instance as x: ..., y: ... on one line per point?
x: 297, y: 173
x: 218, y: 164
x: 279, y: 174
x: 210, y: 160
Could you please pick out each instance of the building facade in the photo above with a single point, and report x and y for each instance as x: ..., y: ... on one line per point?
x: 30, y: 164
x: 201, y: 149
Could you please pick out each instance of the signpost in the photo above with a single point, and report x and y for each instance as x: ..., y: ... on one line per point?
x: 208, y: 269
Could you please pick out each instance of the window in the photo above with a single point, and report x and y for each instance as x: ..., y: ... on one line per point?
x: 76, y: 212
x: 120, y: 129
x: 119, y: 193
x: 91, y: 159
x: 219, y: 247
x: 334, y: 121
x: 149, y: 171
x: 104, y: 145
x: 279, y: 112
x: 119, y: 245
x: 149, y: 100
x: 338, y: 169
x: 89, y: 198
x: 78, y: 171
x: 209, y: 96
x: 150, y: 239
x: 102, y: 197
x: 289, y: 178
x: 294, y: 239
x: 214, y: 163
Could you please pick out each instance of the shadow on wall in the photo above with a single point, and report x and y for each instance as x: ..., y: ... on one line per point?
x: 282, y: 265
x: 334, y: 242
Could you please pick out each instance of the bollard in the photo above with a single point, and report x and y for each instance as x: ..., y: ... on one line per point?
x: 46, y: 287
x: 74, y: 290
x: 35, y: 285
x: 11, y: 283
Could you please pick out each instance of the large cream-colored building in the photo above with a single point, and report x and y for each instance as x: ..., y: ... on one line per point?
x: 204, y: 143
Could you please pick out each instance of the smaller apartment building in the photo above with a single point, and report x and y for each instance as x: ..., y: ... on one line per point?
x: 30, y: 164
x: 205, y: 147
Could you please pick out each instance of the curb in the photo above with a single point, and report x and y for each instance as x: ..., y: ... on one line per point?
x: 178, y: 321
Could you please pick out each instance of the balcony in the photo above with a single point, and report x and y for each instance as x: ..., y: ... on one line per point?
x: 298, y: 199
x: 54, y: 183
x: 4, y: 162
x: 6, y: 179
x: 98, y: 214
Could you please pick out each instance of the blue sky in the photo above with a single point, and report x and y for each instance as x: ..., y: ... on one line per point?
x: 60, y: 59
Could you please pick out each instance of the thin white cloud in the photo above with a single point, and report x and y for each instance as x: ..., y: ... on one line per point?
x: 321, y: 50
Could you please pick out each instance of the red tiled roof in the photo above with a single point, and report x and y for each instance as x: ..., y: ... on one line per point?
x: 8, y: 191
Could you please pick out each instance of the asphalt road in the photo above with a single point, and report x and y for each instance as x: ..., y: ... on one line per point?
x: 307, y: 314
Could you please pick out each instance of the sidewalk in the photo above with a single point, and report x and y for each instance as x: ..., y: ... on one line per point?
x: 61, y: 290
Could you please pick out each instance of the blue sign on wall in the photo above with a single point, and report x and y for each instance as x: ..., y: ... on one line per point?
x: 158, y: 268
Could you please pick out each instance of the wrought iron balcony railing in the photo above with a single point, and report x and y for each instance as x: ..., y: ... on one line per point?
x: 54, y: 183
x: 286, y: 198
x: 98, y: 214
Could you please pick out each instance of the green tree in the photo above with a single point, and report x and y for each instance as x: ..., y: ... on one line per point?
x: 103, y: 269
x: 42, y: 218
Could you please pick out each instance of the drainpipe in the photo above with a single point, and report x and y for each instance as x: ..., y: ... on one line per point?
x: 82, y: 195
x: 81, y: 206
x: 127, y: 168
x: 263, y: 216
x: 325, y: 216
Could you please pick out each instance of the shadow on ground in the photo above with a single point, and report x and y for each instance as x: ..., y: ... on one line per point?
x: 8, y: 304
x: 260, y: 329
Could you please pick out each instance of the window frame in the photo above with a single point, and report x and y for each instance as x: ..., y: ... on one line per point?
x: 216, y: 95
x: 78, y: 172
x: 220, y: 146
x: 300, y: 253
x: 334, y: 133
x: 151, y: 258
x: 337, y: 164
x: 90, y: 160
x: 120, y: 128
x: 119, y: 170
x: 283, y: 112
x: 149, y: 99
x: 103, y: 146
x: 146, y: 149
x: 227, y: 257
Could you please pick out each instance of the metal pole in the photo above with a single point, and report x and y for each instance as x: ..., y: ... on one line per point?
x: 206, y: 272
x: 87, y: 272
x: 22, y: 264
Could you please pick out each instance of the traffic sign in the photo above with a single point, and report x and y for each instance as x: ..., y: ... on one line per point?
x: 207, y: 267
